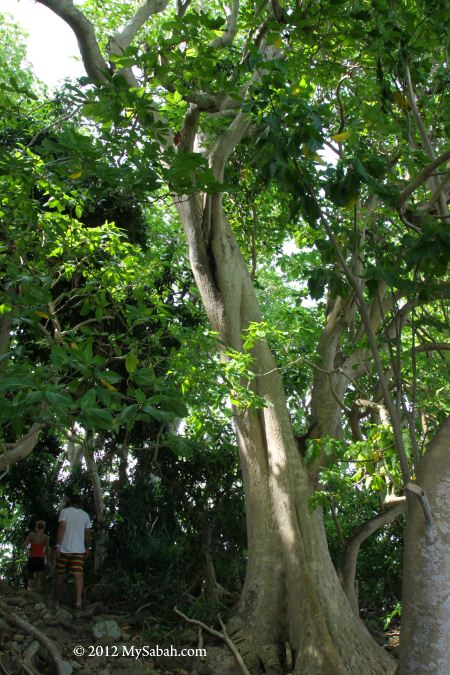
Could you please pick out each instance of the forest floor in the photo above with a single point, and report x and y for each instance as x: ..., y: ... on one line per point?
x: 99, y: 641
x: 92, y: 640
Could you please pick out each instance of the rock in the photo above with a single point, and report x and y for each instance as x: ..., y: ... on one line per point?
x: 39, y: 607
x: 107, y: 629
x: 63, y: 616
x: 67, y: 668
x: 18, y: 637
x: 4, y: 625
x: 17, y: 600
x: 50, y: 619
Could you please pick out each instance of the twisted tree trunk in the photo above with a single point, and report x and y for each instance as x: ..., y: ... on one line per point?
x: 291, y: 591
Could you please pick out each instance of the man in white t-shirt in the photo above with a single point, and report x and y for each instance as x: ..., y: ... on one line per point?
x: 72, y: 547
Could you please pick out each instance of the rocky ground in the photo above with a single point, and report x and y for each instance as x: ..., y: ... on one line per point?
x: 37, y: 637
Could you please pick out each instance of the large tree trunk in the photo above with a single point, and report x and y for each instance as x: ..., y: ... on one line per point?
x: 425, y: 633
x: 291, y: 592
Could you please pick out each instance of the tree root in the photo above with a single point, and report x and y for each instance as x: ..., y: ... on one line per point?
x: 223, y: 636
x: 40, y: 637
x: 28, y: 658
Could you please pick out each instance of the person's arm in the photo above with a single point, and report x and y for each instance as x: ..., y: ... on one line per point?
x: 59, y: 536
x: 87, y: 538
x: 27, y: 541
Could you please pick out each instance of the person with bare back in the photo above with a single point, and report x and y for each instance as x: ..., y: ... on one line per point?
x: 72, y: 547
x: 38, y: 544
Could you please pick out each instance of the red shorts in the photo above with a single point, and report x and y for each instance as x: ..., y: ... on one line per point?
x: 70, y: 562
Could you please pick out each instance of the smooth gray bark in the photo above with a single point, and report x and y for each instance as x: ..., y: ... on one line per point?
x: 425, y: 631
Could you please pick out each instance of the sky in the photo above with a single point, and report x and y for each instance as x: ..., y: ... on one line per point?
x: 51, y: 45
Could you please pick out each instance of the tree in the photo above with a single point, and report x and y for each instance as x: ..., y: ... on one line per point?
x: 196, y: 97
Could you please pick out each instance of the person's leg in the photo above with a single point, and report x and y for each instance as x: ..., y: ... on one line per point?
x: 59, y: 579
x: 77, y: 568
x: 39, y: 582
x: 31, y: 571
x: 78, y: 581
x: 62, y: 561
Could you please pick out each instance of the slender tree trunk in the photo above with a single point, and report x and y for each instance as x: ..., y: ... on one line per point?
x: 353, y: 544
x: 100, y: 538
x: 425, y: 632
x: 291, y: 591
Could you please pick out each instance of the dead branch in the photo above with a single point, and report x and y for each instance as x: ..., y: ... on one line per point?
x: 222, y: 636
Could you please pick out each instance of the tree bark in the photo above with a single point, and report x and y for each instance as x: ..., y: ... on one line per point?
x: 353, y: 544
x: 425, y: 631
x: 23, y: 447
x: 291, y: 591
x: 100, y: 538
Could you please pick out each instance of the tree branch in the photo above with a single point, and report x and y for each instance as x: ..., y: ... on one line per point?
x: 353, y: 544
x: 433, y: 346
x: 123, y: 38
x: 371, y: 405
x: 22, y: 448
x: 421, y: 178
x: 227, y: 38
x: 354, y: 283
x: 222, y: 636
x: 94, y: 63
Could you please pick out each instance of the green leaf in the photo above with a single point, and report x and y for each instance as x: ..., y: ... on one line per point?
x: 96, y: 418
x: 160, y: 415
x: 131, y: 362
x: 171, y: 404
x: 145, y: 377
x: 58, y: 400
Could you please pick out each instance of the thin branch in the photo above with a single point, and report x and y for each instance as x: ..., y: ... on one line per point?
x: 421, y: 178
x: 419, y: 492
x: 433, y: 346
x: 437, y: 193
x: 107, y: 317
x: 222, y: 636
x: 354, y: 283
x: 43, y: 131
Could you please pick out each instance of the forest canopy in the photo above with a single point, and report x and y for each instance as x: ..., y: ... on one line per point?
x: 224, y: 321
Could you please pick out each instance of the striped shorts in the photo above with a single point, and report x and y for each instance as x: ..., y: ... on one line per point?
x: 70, y: 562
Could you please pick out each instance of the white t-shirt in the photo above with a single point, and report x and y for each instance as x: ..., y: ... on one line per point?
x: 77, y: 521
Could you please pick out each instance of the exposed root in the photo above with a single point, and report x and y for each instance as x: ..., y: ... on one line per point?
x: 40, y: 637
x: 28, y: 658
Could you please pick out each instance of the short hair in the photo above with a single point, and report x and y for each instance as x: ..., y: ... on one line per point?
x: 75, y: 500
x: 40, y: 524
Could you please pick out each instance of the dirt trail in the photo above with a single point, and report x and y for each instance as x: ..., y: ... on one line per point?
x: 82, y: 642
